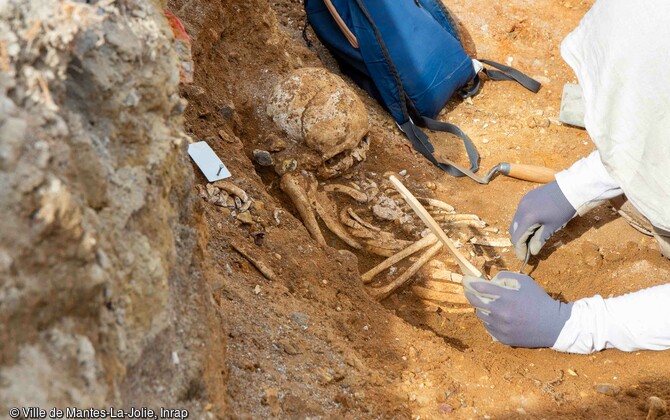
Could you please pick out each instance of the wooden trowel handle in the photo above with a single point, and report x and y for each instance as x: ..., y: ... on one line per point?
x: 531, y: 173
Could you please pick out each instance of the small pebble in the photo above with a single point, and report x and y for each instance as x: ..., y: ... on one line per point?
x: 287, y: 165
x: 300, y: 319
x: 445, y: 409
x: 245, y: 218
x: 403, y: 172
x: 632, y: 392
x: 608, y: 389
x: 226, y: 111
x: 274, y: 143
x: 224, y: 136
x: 257, y: 289
x: 413, y: 353
x: 263, y: 157
x: 290, y: 348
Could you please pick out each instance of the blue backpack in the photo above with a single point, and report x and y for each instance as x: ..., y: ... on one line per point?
x: 408, y: 55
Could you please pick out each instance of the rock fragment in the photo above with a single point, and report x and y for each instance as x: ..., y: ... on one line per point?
x: 608, y: 389
x: 263, y: 157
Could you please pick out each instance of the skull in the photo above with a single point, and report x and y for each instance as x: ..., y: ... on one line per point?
x: 323, y: 115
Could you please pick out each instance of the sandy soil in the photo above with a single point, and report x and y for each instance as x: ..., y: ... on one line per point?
x: 314, y: 343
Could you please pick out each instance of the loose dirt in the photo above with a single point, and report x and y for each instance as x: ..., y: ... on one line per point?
x: 314, y: 343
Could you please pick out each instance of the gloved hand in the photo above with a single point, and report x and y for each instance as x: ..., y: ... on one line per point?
x: 517, y: 311
x: 540, y: 214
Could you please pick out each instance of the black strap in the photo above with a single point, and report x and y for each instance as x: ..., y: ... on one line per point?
x: 508, y: 73
x: 423, y: 145
x: 471, y: 90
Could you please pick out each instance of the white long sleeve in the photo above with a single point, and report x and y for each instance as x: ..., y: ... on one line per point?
x: 636, y: 321
x: 586, y: 184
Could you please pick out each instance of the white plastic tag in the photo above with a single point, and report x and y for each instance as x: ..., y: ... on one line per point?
x: 208, y: 162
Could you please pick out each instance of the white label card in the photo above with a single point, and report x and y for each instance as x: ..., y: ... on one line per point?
x: 208, y: 162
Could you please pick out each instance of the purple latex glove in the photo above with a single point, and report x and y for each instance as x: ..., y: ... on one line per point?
x: 516, y: 311
x: 540, y: 214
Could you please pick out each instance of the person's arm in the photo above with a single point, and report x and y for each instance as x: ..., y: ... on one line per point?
x: 636, y: 321
x: 517, y: 311
x: 586, y: 184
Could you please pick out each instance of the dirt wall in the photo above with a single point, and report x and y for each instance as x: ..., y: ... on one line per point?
x: 101, y: 301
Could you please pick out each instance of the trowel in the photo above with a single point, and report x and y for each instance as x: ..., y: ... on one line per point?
x: 572, y: 113
x: 532, y: 173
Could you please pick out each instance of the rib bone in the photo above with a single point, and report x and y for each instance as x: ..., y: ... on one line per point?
x: 327, y: 212
x: 429, y: 240
x: 436, y: 203
x: 444, y: 274
x: 501, y: 242
x: 380, y: 293
x: 447, y: 297
x: 443, y: 286
x: 433, y: 307
x: 347, y: 220
x: 359, y: 196
x: 382, y: 252
x: 357, y: 218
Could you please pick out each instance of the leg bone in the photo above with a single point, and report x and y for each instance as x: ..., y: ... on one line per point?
x: 291, y: 185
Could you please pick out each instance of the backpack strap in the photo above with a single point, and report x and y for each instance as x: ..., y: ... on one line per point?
x: 509, y: 73
x: 472, y: 89
x: 340, y: 22
x: 423, y: 145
